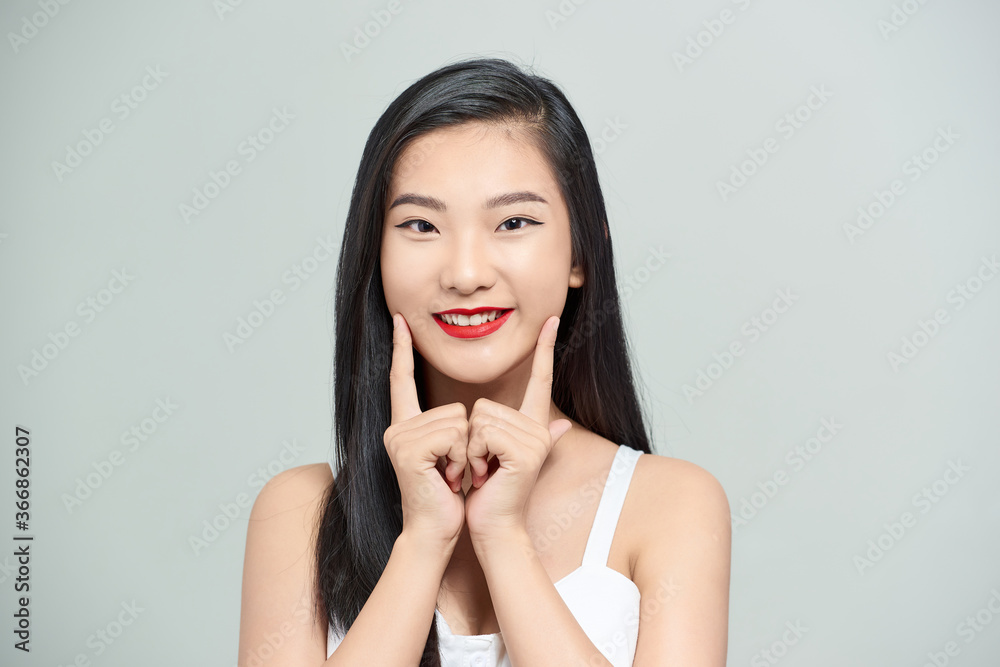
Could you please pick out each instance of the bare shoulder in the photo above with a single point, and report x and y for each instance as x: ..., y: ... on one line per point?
x: 662, y: 489
x: 295, y: 489
x: 683, y: 484
x: 278, y: 568
x: 674, y: 500
x: 680, y: 517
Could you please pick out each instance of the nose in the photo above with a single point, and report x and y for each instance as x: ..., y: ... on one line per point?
x: 469, y: 263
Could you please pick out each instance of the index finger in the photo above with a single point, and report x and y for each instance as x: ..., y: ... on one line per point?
x: 538, y: 393
x: 402, y: 387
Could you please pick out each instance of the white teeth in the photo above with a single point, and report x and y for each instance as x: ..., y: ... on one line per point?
x: 470, y: 320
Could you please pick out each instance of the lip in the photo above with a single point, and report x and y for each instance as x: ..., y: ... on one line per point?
x: 477, y: 331
x: 473, y: 311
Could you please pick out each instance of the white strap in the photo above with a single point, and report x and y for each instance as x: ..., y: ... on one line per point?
x: 610, y: 507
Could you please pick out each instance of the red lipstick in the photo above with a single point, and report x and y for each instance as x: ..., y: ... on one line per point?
x: 473, y: 331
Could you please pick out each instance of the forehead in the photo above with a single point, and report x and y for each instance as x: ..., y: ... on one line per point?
x: 484, y: 156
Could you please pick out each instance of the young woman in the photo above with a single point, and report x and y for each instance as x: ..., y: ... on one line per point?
x: 496, y: 500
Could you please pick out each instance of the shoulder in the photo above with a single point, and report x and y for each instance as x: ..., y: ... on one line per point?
x: 278, y: 566
x: 667, y: 497
x: 683, y: 560
x: 295, y: 489
x: 285, y: 518
x: 681, y: 484
x: 687, y: 500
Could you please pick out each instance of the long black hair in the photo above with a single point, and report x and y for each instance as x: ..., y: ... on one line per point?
x: 592, y: 373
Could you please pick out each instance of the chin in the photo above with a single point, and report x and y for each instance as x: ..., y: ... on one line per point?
x: 473, y: 378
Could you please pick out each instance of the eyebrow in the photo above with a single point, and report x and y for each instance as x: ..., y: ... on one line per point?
x: 496, y: 201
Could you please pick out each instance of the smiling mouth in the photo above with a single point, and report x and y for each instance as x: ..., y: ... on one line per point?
x: 471, y: 318
x: 481, y: 322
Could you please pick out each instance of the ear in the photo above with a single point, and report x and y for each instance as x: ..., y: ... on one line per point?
x: 576, y: 276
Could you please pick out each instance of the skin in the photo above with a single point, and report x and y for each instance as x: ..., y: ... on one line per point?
x: 470, y: 260
x: 469, y: 256
x: 673, y: 539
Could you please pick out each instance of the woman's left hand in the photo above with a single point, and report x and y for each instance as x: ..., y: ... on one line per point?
x: 519, y: 441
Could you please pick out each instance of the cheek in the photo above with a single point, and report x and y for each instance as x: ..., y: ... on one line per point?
x: 398, y: 293
x: 410, y: 292
x: 394, y: 283
x: 539, y: 274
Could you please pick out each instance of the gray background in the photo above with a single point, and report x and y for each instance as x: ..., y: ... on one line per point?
x: 680, y: 131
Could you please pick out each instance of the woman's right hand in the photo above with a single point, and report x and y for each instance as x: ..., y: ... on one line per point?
x: 433, y: 502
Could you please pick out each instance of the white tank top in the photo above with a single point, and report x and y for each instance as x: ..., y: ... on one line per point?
x: 604, y: 601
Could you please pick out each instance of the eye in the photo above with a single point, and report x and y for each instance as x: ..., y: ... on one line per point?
x: 429, y: 227
x: 419, y: 222
x: 527, y: 221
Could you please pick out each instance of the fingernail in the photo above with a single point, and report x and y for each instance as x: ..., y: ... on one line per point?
x: 557, y: 324
x: 394, y: 322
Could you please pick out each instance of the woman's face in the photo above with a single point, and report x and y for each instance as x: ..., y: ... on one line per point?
x: 460, y: 233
